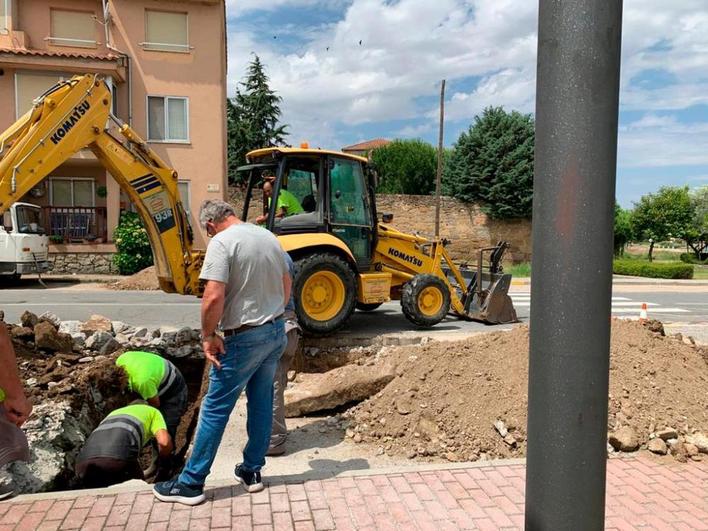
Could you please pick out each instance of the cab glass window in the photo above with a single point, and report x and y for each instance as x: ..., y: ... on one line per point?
x: 347, y: 192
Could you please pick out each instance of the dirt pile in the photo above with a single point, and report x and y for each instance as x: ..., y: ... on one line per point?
x: 145, y: 280
x: 467, y: 400
x: 74, y: 384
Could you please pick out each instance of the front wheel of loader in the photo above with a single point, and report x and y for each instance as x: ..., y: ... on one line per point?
x: 325, y: 292
x: 425, y: 300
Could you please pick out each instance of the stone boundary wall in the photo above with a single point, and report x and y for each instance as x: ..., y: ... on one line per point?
x: 464, y: 224
x: 83, y: 263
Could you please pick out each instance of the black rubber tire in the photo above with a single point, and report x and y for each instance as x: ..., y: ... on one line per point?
x: 304, y: 268
x: 363, y: 307
x: 409, y: 300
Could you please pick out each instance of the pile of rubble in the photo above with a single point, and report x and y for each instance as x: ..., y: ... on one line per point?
x: 100, y: 336
x: 467, y: 400
x: 70, y: 376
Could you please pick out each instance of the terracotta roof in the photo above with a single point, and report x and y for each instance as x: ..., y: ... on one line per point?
x: 66, y: 55
x: 369, y: 144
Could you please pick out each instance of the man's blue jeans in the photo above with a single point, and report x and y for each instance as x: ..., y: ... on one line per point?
x: 250, y: 362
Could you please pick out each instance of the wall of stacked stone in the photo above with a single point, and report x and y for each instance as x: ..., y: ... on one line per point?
x: 464, y: 224
x: 84, y: 263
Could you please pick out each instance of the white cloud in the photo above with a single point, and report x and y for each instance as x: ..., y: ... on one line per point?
x: 409, y: 45
x: 662, y: 141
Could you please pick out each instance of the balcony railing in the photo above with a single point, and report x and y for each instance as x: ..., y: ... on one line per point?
x: 76, y: 224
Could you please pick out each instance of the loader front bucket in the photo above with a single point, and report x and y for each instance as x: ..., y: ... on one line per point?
x: 487, y: 298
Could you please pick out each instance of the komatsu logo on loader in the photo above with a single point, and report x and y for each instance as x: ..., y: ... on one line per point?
x: 405, y: 257
x: 74, y: 117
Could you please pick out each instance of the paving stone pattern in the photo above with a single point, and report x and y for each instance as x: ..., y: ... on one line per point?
x: 641, y: 494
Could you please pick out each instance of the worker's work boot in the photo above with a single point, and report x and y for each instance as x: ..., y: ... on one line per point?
x: 251, y: 480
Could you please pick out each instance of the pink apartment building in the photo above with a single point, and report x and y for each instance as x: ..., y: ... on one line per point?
x: 166, y: 63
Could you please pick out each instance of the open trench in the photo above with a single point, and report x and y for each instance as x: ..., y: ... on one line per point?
x: 72, y: 392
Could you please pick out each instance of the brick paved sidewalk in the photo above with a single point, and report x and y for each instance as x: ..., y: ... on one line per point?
x: 642, y: 494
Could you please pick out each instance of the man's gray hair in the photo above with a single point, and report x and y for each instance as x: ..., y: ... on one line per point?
x: 214, y: 210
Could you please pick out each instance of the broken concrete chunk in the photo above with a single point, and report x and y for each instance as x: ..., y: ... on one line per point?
x: 667, y: 433
x: 28, y: 319
x: 340, y: 386
x: 109, y: 347
x: 97, y: 339
x: 51, y: 318
x: 70, y: 327
x: 500, y: 427
x: 657, y: 446
x: 700, y: 441
x: 624, y: 440
x: 97, y: 323
x: 140, y: 332
x: 22, y: 332
x: 46, y: 337
x: 679, y: 451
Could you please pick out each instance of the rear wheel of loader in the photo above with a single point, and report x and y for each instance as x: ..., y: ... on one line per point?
x: 325, y: 292
x: 364, y: 307
x: 425, y: 300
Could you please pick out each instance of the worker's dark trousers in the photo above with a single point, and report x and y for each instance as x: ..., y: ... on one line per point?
x: 99, y: 472
x: 173, y: 404
x: 280, y: 431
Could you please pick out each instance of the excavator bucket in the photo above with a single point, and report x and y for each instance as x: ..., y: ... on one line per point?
x: 487, y: 298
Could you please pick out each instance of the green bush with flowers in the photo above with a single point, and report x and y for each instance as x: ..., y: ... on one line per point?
x: 132, y: 244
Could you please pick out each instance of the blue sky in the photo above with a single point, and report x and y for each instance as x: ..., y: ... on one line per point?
x: 337, y: 90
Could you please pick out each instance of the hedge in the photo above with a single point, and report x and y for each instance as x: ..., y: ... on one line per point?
x: 639, y: 268
x: 690, y: 258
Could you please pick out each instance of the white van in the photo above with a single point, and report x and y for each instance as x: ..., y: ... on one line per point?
x: 24, y: 248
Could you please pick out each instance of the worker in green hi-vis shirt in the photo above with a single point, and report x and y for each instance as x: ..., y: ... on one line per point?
x: 111, y: 453
x: 158, y: 382
x: 286, y: 205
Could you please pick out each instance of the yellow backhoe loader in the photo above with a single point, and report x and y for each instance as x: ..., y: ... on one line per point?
x: 321, y: 206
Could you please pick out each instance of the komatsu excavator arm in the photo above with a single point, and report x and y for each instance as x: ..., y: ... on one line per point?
x: 76, y: 114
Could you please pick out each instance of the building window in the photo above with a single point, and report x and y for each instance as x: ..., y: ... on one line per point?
x: 166, y: 31
x: 168, y: 119
x: 73, y: 28
x: 72, y: 192
x: 4, y: 16
x: 185, y: 196
x: 29, y: 86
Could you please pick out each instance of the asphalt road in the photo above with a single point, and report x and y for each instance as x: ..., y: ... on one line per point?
x: 153, y: 309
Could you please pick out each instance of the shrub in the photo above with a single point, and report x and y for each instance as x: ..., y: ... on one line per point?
x: 639, y: 268
x: 690, y: 258
x: 132, y: 243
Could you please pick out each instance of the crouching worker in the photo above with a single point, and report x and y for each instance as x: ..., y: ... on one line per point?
x: 158, y: 382
x: 111, y: 453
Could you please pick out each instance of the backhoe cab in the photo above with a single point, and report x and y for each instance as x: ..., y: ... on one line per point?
x: 322, y: 206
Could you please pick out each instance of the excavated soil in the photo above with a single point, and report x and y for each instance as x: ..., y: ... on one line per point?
x: 145, y: 280
x: 447, y: 397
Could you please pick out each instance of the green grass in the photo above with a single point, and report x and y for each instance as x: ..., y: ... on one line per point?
x: 700, y: 272
x: 659, y: 256
x: 520, y: 270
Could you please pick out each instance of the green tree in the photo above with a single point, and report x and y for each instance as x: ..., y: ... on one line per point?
x: 623, y: 229
x: 492, y: 164
x: 665, y: 214
x: 252, y: 118
x: 405, y: 167
x: 697, y: 235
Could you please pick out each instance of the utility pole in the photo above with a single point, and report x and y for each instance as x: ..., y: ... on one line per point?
x: 577, y: 96
x: 438, y: 176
